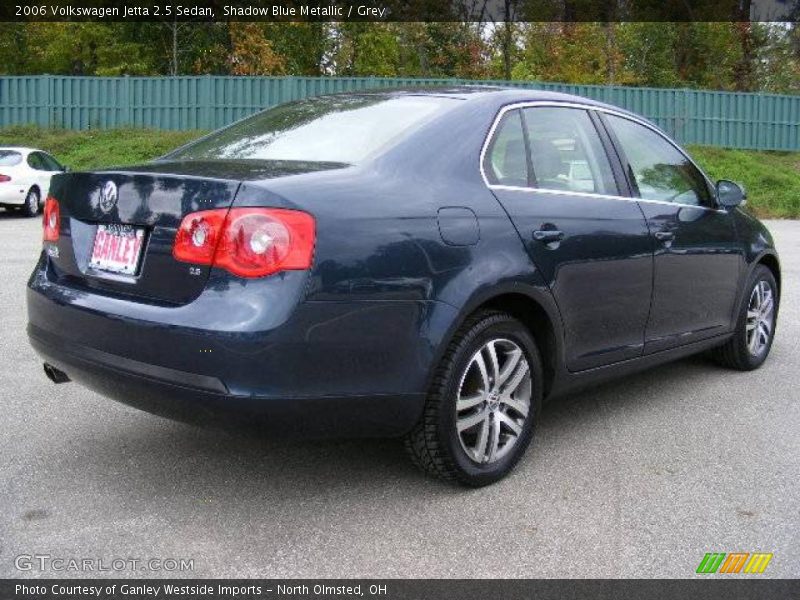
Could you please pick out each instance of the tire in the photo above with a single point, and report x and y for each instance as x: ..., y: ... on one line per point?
x: 740, y: 352
x: 497, y: 426
x: 31, y: 206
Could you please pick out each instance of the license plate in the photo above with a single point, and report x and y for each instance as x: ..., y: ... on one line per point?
x: 116, y: 248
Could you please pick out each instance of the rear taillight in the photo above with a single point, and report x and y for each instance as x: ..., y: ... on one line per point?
x: 197, y: 237
x: 51, y: 220
x: 4, y: 178
x: 248, y: 242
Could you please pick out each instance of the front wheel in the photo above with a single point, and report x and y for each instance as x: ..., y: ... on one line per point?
x: 31, y: 206
x: 755, y: 327
x: 482, y: 406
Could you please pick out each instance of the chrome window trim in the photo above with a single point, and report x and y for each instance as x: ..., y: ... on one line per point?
x: 555, y: 103
x: 513, y: 188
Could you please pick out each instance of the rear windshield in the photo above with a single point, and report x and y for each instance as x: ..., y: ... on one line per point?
x: 9, y: 158
x: 336, y: 129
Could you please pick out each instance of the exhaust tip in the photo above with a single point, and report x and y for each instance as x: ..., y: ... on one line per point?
x: 55, y: 375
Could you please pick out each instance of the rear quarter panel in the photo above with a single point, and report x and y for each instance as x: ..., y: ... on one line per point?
x: 380, y: 252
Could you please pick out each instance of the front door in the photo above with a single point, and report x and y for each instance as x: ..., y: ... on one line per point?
x: 697, y: 261
x: 549, y: 168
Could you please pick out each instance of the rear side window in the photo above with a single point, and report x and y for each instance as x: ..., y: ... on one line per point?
x: 658, y: 169
x: 9, y: 158
x: 506, y: 162
x: 566, y: 151
x: 336, y: 129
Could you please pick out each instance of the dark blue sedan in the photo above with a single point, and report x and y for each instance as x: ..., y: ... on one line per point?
x: 427, y: 264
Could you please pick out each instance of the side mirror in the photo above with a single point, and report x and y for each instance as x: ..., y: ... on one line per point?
x: 730, y: 194
x: 64, y: 169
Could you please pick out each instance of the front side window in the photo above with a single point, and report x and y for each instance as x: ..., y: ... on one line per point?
x: 334, y: 129
x: 50, y: 163
x: 566, y: 151
x: 657, y: 169
x: 506, y: 162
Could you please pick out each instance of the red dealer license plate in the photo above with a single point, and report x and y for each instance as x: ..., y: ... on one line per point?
x: 117, y: 248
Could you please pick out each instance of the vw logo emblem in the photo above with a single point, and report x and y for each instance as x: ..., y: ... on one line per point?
x: 108, y: 196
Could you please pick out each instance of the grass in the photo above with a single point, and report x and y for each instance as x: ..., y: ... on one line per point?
x: 772, y: 179
x: 98, y: 148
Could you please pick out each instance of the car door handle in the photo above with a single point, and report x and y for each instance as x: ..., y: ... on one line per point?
x: 664, y: 236
x: 548, y: 235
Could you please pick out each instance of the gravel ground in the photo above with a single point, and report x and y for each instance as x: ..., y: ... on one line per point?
x: 637, y: 478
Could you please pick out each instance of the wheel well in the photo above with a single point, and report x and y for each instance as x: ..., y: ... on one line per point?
x: 769, y: 261
x: 38, y: 191
x: 538, y: 322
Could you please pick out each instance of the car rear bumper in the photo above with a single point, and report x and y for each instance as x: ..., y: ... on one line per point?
x: 204, y: 401
x: 12, y: 195
x: 308, y: 368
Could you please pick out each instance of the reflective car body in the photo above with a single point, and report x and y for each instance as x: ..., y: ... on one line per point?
x: 411, y: 239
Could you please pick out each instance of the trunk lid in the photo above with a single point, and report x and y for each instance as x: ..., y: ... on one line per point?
x: 153, y: 198
x: 149, y: 201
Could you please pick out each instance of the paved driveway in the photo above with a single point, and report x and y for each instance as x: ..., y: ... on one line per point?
x: 637, y: 478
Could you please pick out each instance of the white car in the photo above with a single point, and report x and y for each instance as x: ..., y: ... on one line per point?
x: 25, y: 178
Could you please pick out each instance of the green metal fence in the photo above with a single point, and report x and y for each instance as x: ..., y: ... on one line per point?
x: 738, y: 120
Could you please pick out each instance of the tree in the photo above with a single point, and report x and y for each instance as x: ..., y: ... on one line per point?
x: 14, y: 52
x: 571, y: 52
x: 85, y: 48
x: 366, y: 49
x: 470, y: 42
x: 304, y: 46
x: 778, y: 57
x: 648, y: 53
x: 252, y: 52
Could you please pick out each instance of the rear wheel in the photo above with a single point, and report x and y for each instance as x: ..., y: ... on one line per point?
x: 755, y: 327
x: 482, y: 406
x: 31, y: 206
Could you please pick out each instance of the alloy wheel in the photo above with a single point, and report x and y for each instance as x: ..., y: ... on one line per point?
x: 494, y: 401
x: 760, y: 318
x: 33, y: 202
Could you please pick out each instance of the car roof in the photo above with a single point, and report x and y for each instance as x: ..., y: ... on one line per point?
x: 496, y: 95
x: 20, y: 149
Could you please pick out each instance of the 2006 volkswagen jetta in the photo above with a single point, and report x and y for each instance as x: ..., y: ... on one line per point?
x: 428, y: 264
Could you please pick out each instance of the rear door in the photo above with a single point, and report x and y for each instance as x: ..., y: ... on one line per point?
x: 50, y: 167
x: 549, y: 166
x: 697, y: 261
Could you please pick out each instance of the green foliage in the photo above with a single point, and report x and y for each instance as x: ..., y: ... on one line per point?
x: 408, y: 50
x: 367, y: 49
x: 84, y: 49
x: 570, y: 52
x: 649, y: 55
x: 740, y: 56
x: 724, y: 56
x: 98, y: 148
x: 304, y: 46
x: 14, y: 53
x: 772, y: 179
